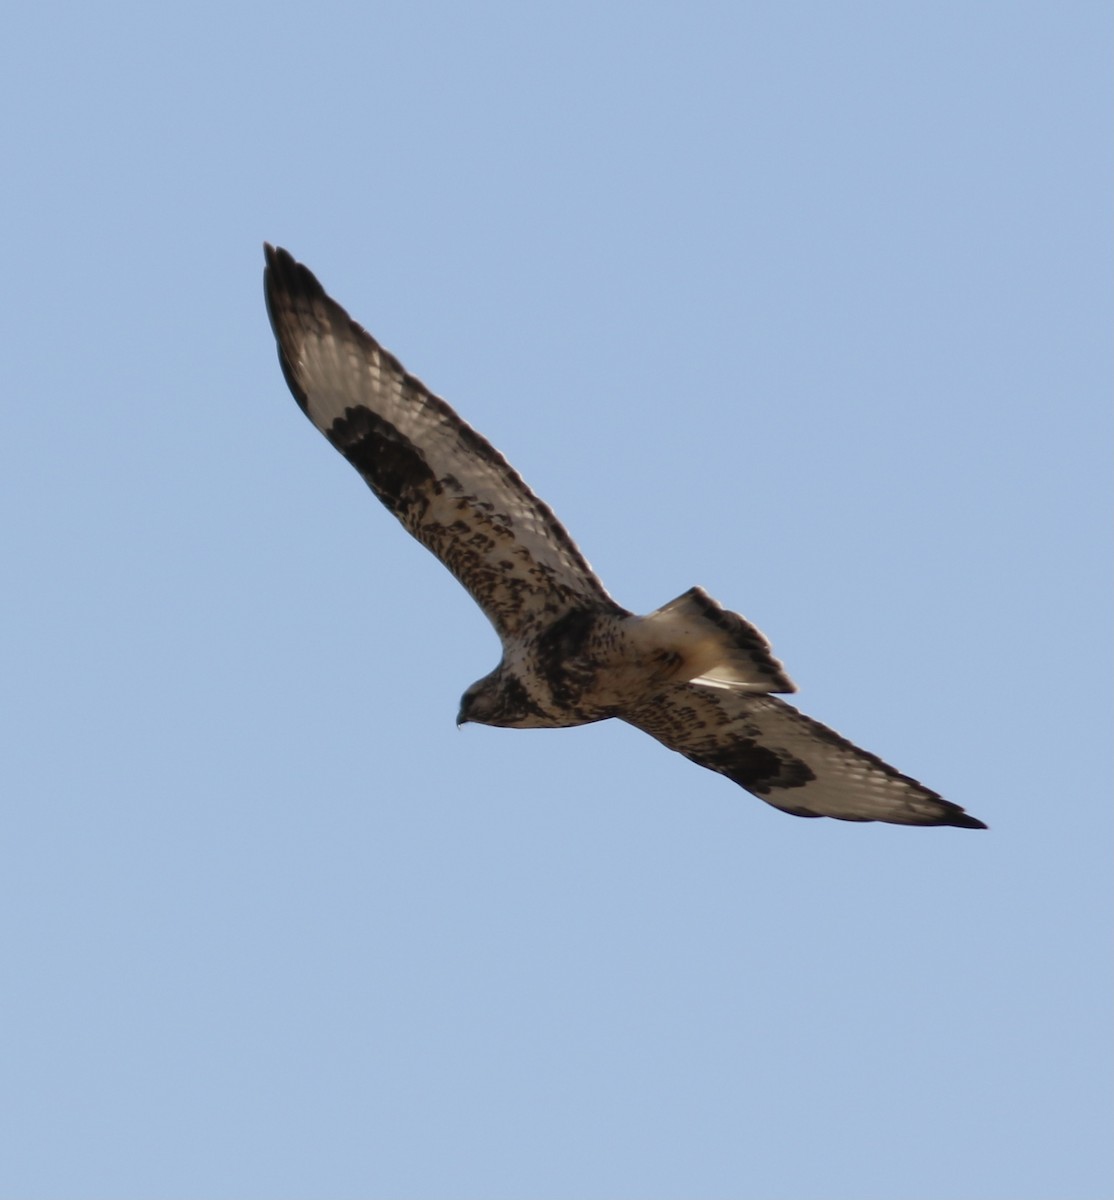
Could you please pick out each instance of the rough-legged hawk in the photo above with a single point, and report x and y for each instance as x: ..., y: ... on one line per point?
x: 693, y: 675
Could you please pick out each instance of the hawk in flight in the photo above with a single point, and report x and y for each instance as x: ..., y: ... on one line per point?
x: 693, y: 675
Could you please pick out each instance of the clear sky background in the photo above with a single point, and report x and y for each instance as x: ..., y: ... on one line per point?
x: 807, y: 303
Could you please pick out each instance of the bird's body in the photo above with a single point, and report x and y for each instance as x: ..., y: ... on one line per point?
x: 592, y: 663
x: 693, y: 675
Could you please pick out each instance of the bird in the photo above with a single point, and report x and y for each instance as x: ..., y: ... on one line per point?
x: 698, y: 678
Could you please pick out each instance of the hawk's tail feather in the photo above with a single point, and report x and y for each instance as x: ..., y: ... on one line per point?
x: 722, y: 648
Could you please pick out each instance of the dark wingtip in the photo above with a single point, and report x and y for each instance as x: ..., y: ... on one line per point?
x: 276, y: 257
x: 962, y: 820
x: 284, y: 282
x: 279, y: 268
x: 284, y: 273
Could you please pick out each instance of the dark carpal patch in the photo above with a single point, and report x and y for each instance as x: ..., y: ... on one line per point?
x: 757, y: 768
x: 394, y: 468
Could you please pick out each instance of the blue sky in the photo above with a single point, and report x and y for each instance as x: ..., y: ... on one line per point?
x: 806, y: 303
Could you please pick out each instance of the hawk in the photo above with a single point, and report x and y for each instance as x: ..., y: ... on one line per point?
x: 698, y: 678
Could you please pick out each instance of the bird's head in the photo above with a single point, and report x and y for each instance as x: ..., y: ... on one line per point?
x: 498, y: 699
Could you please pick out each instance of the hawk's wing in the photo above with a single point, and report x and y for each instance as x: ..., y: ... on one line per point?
x: 451, y: 489
x: 787, y: 759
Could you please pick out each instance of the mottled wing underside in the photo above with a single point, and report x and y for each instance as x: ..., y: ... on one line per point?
x: 448, y: 486
x: 789, y: 760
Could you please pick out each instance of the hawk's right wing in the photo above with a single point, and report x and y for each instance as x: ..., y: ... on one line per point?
x: 787, y: 759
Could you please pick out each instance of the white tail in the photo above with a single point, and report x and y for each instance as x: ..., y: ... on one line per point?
x: 718, y: 647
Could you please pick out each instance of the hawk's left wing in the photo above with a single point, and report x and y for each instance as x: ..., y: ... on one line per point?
x: 787, y: 759
x: 447, y: 485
